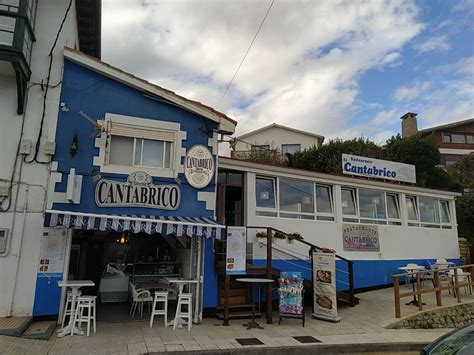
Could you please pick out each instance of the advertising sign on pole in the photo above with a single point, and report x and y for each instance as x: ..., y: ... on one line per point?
x: 324, y: 286
x: 236, y: 254
x: 376, y: 168
x: 360, y: 237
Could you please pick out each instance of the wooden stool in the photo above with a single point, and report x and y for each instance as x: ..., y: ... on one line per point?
x: 160, y: 297
x: 68, y: 307
x: 85, y: 303
x: 184, y: 299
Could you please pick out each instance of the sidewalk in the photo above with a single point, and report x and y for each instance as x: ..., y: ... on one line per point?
x: 363, y: 324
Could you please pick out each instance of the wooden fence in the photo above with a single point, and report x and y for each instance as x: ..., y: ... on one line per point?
x: 419, y: 276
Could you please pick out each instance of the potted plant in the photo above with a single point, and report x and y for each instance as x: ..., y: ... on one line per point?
x: 294, y: 236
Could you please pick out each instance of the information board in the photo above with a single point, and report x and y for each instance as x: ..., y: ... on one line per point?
x: 53, y: 250
x: 324, y: 286
x: 236, y: 253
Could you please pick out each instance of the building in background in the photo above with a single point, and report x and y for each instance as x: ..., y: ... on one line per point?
x: 32, y: 37
x: 280, y: 139
x: 455, y: 139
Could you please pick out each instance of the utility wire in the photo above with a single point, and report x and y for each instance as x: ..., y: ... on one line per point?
x: 246, y: 53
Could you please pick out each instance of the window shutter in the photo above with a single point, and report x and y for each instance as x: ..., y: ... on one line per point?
x: 136, y: 132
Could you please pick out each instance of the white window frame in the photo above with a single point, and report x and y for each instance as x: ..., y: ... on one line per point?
x: 267, y: 210
x: 325, y: 215
x: 351, y: 218
x: 393, y: 221
x: 136, y: 124
x: 419, y: 223
x: 296, y: 214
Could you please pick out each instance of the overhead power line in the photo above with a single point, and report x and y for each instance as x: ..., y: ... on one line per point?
x: 245, y: 55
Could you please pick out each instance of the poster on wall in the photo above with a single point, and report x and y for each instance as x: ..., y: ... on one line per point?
x: 324, y: 286
x: 360, y: 237
x: 236, y: 254
x: 290, y: 290
x: 53, y: 250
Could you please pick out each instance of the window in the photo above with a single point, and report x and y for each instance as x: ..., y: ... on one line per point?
x: 446, y: 138
x: 458, y: 138
x: 260, y: 147
x: 265, y: 192
x: 393, y: 206
x: 296, y: 196
x: 348, y: 202
x: 445, y: 213
x: 470, y: 139
x: 324, y: 205
x: 412, y: 210
x: 429, y: 210
x: 290, y: 148
x: 129, y: 151
x: 371, y: 205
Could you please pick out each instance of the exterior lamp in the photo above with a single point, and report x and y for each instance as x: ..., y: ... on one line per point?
x: 122, y: 239
x: 264, y: 195
x: 73, y: 148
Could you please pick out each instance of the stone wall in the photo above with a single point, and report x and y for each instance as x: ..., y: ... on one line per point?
x: 464, y: 251
x: 442, y: 317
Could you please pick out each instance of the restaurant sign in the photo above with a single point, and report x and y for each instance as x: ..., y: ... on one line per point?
x: 378, y: 169
x: 360, y: 237
x: 137, y: 191
x: 199, y: 167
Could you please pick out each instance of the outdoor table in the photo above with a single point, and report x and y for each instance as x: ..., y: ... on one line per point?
x: 253, y: 323
x: 180, y: 283
x: 74, y: 285
x: 414, y: 301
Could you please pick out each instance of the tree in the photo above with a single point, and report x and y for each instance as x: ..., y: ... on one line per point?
x: 327, y: 158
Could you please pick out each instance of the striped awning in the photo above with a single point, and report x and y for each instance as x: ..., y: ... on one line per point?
x: 164, y: 225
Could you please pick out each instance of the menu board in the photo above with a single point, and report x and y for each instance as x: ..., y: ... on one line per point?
x: 236, y: 254
x: 324, y: 286
x: 291, y: 293
x: 53, y: 250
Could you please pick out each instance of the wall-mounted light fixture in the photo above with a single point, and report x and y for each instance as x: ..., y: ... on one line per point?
x: 73, y: 148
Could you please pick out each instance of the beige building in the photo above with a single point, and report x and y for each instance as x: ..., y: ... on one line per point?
x: 278, y: 138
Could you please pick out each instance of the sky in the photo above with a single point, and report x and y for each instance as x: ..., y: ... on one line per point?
x: 342, y: 69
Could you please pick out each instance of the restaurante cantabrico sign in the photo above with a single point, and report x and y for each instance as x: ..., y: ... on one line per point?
x: 137, y: 191
x: 199, y: 167
x: 360, y: 237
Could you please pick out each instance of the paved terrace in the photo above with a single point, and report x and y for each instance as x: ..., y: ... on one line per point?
x: 364, y: 323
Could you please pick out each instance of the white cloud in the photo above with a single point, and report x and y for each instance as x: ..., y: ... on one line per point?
x: 407, y: 93
x: 466, y: 65
x: 439, y: 43
x: 302, y: 70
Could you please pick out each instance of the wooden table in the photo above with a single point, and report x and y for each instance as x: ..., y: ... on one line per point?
x: 414, y: 301
x: 253, y: 323
x: 74, y: 285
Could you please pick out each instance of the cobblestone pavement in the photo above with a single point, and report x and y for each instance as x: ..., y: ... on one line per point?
x: 364, y: 323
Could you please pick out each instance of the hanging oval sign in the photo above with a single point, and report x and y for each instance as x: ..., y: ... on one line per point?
x: 199, y: 167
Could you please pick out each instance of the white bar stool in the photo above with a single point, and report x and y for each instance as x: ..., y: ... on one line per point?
x: 160, y: 297
x: 85, y: 303
x: 68, y: 307
x: 184, y: 299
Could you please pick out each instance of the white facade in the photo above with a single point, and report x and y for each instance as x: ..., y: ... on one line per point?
x: 24, y: 218
x: 399, y: 241
x: 276, y: 137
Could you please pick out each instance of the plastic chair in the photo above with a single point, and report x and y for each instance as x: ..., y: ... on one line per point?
x: 462, y: 277
x: 184, y: 299
x: 409, y: 277
x: 139, y: 297
x: 85, y: 303
x: 68, y: 307
x: 160, y: 297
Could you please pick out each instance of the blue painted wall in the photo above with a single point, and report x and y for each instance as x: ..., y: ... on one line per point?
x: 95, y: 94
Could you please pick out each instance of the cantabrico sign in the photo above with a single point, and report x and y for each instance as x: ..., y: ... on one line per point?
x: 376, y: 168
x: 199, y: 166
x: 360, y: 237
x: 138, y: 191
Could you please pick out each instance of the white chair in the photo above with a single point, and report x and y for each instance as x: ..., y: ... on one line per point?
x: 462, y: 278
x: 85, y: 303
x: 409, y: 277
x: 160, y: 297
x: 139, y: 297
x: 68, y: 307
x: 184, y: 299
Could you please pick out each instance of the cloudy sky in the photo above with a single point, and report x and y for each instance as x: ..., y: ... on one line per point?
x: 336, y: 68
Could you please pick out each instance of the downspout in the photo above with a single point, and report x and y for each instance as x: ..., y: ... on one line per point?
x: 18, y: 256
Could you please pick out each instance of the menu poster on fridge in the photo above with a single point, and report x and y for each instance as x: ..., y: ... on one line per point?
x: 324, y: 286
x: 236, y: 254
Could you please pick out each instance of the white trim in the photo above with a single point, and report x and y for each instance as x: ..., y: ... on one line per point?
x: 209, y: 197
x: 456, y: 151
x: 226, y: 125
x: 276, y: 125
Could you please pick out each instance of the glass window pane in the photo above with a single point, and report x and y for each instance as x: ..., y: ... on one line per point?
x: 168, y: 154
x: 121, y: 150
x: 470, y: 139
x: 261, y: 147
x: 445, y: 212
x: 392, y: 206
x: 371, y: 204
x: 138, y: 151
x: 153, y: 153
x: 411, y: 208
x: 348, y: 202
x: 290, y: 148
x: 458, y: 138
x: 265, y: 192
x: 234, y: 179
x: 429, y: 211
x: 446, y: 138
x: 7, y: 30
x: 323, y: 199
x: 297, y: 196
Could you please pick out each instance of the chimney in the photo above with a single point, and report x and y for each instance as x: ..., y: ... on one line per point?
x: 409, y: 125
